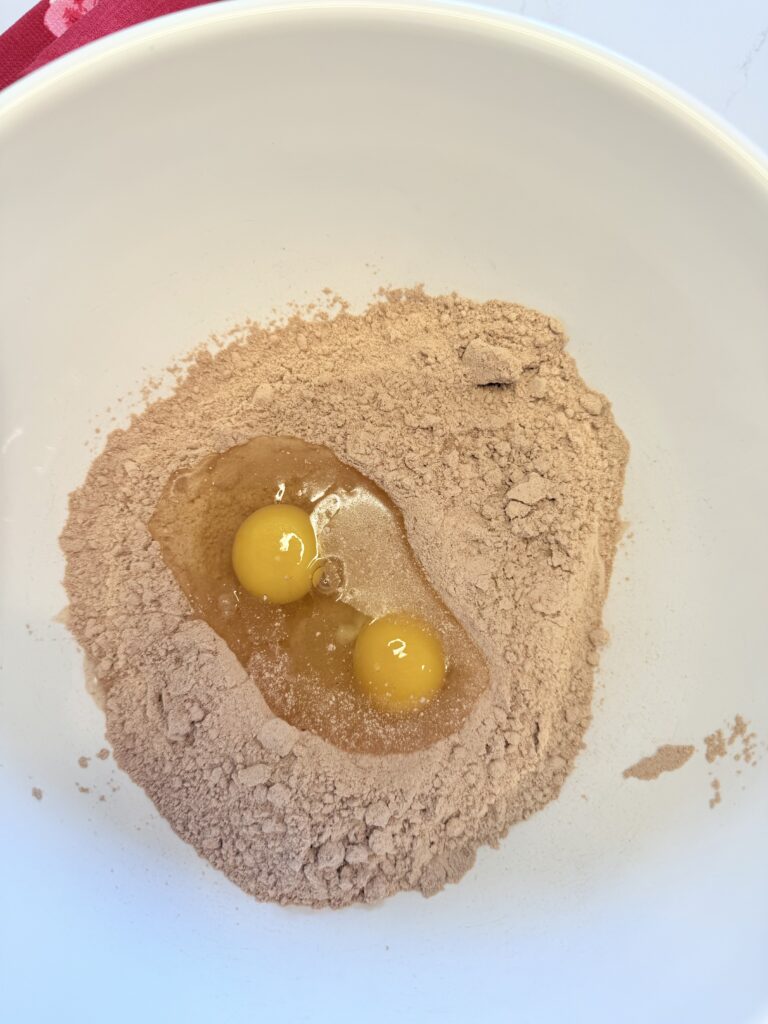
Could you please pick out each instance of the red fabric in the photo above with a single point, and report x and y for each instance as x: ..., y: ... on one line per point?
x: 54, y: 27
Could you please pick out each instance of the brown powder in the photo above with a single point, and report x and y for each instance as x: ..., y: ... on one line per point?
x: 748, y: 740
x: 716, y: 797
x: 740, y: 746
x: 738, y: 730
x: 508, y: 472
x: 37, y: 793
x: 715, y: 745
x: 666, y: 759
x: 83, y: 761
x: 103, y: 754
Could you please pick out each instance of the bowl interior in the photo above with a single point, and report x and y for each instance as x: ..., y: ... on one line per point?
x: 177, y: 179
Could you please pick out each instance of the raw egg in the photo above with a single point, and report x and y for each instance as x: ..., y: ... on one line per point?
x: 273, y: 553
x: 398, y: 662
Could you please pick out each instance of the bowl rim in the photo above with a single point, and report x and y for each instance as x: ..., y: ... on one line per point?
x: 128, y: 43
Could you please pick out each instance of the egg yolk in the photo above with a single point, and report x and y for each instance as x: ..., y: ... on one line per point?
x: 273, y: 553
x: 398, y: 662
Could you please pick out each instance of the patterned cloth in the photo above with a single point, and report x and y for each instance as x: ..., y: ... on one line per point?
x: 54, y: 27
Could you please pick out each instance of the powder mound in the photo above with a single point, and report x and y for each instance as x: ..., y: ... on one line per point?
x: 510, y: 495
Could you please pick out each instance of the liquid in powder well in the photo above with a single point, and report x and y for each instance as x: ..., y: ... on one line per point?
x: 300, y: 654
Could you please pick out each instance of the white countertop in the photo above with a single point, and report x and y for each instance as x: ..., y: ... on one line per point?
x: 717, y: 50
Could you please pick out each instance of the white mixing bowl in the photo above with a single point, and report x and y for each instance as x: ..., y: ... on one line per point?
x: 173, y: 180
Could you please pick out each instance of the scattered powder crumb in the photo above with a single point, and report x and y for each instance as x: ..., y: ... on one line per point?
x: 83, y: 761
x: 84, y: 789
x: 715, y: 745
x: 740, y: 731
x: 739, y: 728
x: 666, y: 759
x: 103, y: 754
x: 740, y: 744
x: 508, y: 470
x: 37, y: 793
x: 716, y: 795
